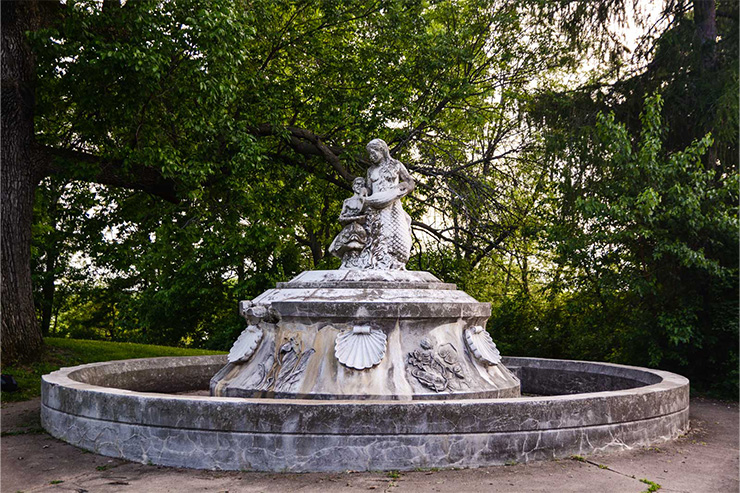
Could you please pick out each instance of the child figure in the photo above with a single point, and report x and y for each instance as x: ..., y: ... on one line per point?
x: 351, y: 241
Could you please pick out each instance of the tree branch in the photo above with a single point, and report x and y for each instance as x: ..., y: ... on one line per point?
x: 306, y: 142
x: 439, y: 236
x: 112, y: 172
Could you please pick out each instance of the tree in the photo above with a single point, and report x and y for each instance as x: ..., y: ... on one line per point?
x: 642, y: 241
x: 25, y: 162
x: 20, y: 173
x: 58, y: 216
x: 171, y: 98
x: 650, y: 248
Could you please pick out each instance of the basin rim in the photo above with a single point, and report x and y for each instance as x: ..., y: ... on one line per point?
x: 143, y: 426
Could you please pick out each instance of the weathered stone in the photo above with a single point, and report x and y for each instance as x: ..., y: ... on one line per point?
x: 360, y: 348
x: 334, y: 363
x: 481, y: 345
x: 366, y: 279
x: 377, y: 231
x: 618, y: 408
x: 246, y: 344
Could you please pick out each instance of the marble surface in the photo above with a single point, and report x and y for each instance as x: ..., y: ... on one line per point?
x: 366, y: 279
x: 619, y: 408
x: 377, y: 231
x: 302, y: 453
x: 418, y: 350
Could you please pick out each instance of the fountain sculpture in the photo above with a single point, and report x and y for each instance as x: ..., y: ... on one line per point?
x: 367, y: 367
x: 371, y: 329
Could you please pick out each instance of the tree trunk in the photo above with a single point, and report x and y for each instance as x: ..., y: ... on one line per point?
x: 317, y: 252
x: 705, y: 31
x: 25, y: 162
x: 21, y: 338
x: 705, y: 20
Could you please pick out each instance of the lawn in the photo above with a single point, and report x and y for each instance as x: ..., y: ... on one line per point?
x: 60, y: 352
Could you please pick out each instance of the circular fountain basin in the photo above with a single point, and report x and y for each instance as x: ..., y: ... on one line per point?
x: 149, y: 411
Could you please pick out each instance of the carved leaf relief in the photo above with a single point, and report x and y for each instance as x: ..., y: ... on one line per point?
x: 287, y: 366
x: 482, y: 346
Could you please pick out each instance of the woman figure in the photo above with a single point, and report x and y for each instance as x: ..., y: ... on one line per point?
x: 387, y: 224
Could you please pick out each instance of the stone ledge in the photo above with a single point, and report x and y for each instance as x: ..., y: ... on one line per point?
x: 364, y: 310
x: 367, y: 285
x: 66, y: 392
x: 313, y: 453
x: 364, y: 275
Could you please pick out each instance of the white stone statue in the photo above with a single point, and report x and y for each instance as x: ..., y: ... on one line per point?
x: 350, y: 243
x: 377, y: 232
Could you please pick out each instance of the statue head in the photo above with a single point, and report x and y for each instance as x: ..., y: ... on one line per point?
x: 358, y: 185
x: 378, y: 151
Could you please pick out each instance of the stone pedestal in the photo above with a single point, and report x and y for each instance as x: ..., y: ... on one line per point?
x: 365, y: 334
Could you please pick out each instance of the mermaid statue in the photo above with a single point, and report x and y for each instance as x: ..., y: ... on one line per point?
x: 377, y: 231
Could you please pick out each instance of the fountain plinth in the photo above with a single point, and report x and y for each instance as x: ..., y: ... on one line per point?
x: 367, y: 334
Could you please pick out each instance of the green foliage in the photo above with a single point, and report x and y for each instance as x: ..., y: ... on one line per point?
x: 184, y: 88
x: 639, y: 218
x: 647, y: 256
x: 600, y: 223
x: 71, y: 352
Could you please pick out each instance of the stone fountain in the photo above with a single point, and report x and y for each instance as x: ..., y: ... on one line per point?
x: 367, y: 367
x: 371, y: 330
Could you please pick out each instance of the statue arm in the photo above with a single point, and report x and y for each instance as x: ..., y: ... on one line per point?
x: 345, y: 219
x: 380, y: 200
x: 406, y: 184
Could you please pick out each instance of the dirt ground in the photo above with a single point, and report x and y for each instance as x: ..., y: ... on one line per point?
x: 704, y: 460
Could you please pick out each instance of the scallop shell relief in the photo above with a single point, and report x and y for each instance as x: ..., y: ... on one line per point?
x: 245, y: 345
x: 482, y: 346
x: 360, y: 348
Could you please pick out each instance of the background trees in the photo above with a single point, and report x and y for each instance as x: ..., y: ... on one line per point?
x: 642, y: 227
x: 645, y: 264
x: 193, y: 154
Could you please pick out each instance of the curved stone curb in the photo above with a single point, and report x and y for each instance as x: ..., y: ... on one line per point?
x: 81, y: 406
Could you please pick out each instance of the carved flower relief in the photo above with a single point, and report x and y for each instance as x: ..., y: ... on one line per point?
x: 420, y: 358
x: 449, y: 356
x: 438, y: 370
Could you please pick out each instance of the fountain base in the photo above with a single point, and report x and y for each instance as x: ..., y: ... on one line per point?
x: 366, y: 335
x: 126, y: 409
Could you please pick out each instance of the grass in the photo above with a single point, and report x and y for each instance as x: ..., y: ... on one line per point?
x: 28, y: 431
x: 652, y: 486
x: 60, y: 352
